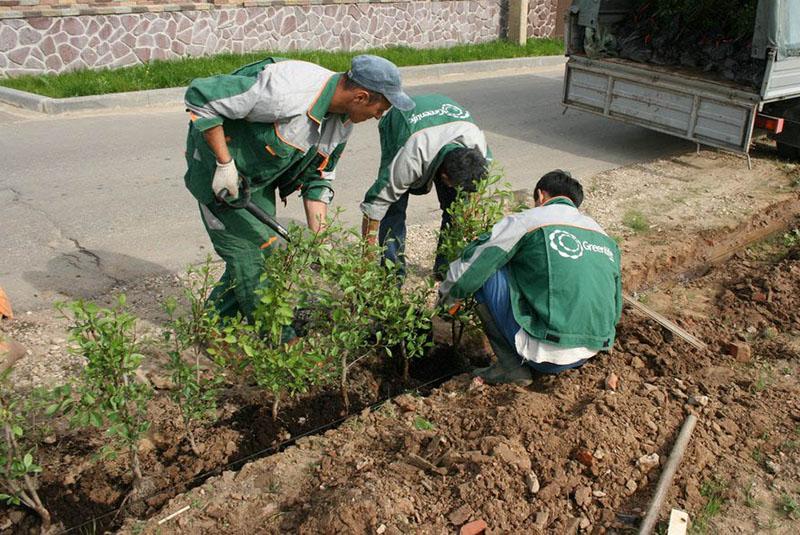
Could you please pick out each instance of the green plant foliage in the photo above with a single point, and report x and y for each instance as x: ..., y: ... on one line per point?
x: 474, y: 214
x: 109, y: 396
x: 19, y: 470
x: 188, y: 336
x: 421, y: 424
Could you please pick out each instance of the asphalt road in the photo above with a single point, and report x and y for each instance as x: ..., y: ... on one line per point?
x: 92, y: 200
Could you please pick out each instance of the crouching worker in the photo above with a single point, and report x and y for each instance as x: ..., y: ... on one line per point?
x: 547, y: 283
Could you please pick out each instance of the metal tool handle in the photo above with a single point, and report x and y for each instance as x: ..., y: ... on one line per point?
x: 244, y: 201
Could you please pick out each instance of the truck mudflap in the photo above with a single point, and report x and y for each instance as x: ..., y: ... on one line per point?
x: 704, y: 112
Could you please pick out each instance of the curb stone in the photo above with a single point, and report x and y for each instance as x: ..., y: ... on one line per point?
x: 411, y: 75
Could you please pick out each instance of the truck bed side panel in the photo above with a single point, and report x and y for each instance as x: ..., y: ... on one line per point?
x: 783, y: 79
x: 705, y: 115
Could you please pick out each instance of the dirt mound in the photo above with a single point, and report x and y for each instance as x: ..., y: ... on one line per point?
x: 581, y: 451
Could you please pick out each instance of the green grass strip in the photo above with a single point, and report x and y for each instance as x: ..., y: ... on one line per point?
x: 178, y: 73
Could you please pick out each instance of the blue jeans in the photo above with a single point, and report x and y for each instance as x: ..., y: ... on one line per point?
x: 496, y: 296
x: 392, y: 231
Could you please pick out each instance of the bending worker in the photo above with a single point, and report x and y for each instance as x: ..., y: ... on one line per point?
x: 437, y: 144
x: 282, y: 125
x: 547, y: 283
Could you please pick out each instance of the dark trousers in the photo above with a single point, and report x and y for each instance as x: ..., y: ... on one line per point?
x: 392, y: 232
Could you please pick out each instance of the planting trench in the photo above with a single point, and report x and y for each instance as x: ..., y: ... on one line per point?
x: 574, y: 452
x: 430, y: 464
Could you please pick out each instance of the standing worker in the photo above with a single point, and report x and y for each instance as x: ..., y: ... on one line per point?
x: 548, y: 285
x: 437, y: 144
x: 281, y: 124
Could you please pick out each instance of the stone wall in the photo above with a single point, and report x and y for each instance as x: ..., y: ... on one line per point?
x: 52, y: 37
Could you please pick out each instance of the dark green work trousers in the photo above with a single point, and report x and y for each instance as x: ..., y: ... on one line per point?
x: 238, y: 238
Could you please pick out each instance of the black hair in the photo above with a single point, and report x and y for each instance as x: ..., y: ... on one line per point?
x: 464, y: 167
x: 560, y: 183
x: 350, y: 85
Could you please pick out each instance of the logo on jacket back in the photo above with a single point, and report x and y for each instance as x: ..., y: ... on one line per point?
x: 569, y: 246
x: 450, y: 110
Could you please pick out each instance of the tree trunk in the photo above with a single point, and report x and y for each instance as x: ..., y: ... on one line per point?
x: 136, y: 469
x: 404, y: 356
x: 275, y: 403
x: 345, y: 397
x: 192, y: 442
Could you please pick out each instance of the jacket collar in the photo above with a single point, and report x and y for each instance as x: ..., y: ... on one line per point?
x: 319, y: 108
x: 559, y: 200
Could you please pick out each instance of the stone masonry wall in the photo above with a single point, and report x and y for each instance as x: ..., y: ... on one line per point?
x: 45, y: 39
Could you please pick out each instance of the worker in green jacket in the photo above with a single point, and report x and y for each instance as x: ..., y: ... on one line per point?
x: 436, y: 144
x: 282, y: 125
x: 547, y: 282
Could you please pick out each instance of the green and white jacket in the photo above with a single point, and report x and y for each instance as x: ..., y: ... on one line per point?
x: 413, y: 144
x: 277, y: 126
x: 563, y: 273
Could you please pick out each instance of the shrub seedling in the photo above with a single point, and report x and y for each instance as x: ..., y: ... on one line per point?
x: 109, y: 395
x: 19, y: 471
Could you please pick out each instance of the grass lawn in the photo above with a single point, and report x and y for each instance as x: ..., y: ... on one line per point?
x: 178, y: 73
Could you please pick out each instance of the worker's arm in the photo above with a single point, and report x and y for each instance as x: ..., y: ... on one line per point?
x: 369, y: 229
x: 481, y: 259
x: 316, y: 214
x: 215, y: 138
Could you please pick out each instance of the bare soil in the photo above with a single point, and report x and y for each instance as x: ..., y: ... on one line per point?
x: 572, y: 453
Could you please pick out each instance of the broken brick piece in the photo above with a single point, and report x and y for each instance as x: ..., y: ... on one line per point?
x: 476, y: 527
x: 584, y: 457
x: 740, y: 351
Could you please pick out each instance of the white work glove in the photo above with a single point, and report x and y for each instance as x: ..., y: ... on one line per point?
x: 226, y: 177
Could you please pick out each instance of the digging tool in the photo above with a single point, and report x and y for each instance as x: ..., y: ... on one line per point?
x: 665, y: 481
x: 663, y: 321
x: 243, y: 201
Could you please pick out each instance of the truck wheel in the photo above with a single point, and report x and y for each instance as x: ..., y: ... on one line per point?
x: 787, y: 151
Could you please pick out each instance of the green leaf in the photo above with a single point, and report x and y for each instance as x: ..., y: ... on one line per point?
x: 17, y: 430
x: 27, y: 460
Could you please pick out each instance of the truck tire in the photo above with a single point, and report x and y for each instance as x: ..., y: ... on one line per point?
x: 787, y: 151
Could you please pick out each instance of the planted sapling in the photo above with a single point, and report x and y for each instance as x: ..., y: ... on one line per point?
x: 109, y: 396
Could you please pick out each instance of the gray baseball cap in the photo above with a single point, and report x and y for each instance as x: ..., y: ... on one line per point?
x: 382, y: 76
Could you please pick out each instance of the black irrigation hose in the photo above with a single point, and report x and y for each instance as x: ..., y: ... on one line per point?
x: 269, y: 450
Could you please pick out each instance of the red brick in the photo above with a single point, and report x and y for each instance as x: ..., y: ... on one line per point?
x: 476, y: 527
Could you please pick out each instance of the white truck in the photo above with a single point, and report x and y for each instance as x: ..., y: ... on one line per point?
x: 699, y: 106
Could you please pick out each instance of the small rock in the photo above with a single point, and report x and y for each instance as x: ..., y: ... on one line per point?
x: 406, y: 402
x: 678, y: 393
x: 631, y: 486
x: 541, y: 519
x: 49, y: 439
x: 381, y: 529
x: 532, y: 482
x: 598, y: 494
x: 647, y: 462
x: 698, y: 401
x: 637, y: 363
x: 583, y: 496
x: 459, y: 516
x: 649, y: 387
x: 584, y: 524
x: 599, y: 454
x: 612, y: 381
x: 772, y: 467
x: 652, y: 426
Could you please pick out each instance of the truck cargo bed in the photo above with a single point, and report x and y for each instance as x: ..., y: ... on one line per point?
x: 667, y: 99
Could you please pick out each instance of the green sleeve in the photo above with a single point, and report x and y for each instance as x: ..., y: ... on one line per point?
x: 317, y: 184
x: 394, y: 132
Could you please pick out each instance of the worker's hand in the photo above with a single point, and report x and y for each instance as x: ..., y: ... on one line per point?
x: 226, y: 177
